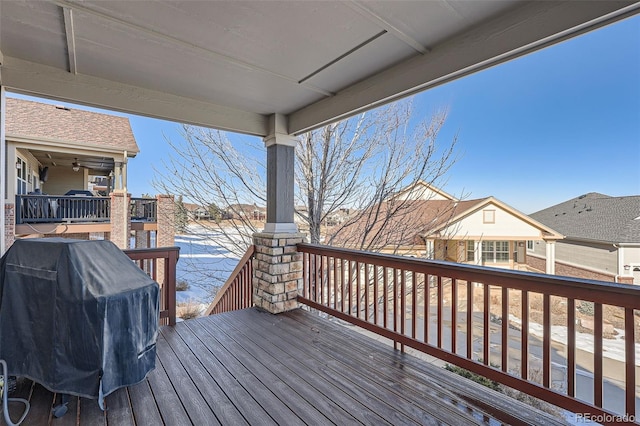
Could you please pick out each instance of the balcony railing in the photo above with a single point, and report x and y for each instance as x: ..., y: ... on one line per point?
x: 77, y: 209
x: 492, y: 322
x: 61, y: 209
x: 144, y: 209
x: 160, y: 264
x: 237, y: 291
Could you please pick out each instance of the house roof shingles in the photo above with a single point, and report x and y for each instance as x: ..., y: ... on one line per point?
x: 35, y: 120
x: 595, y: 217
x: 402, y: 228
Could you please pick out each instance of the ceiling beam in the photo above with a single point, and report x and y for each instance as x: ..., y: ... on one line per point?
x: 220, y: 56
x: 39, y: 80
x: 527, y: 28
x: 375, y: 18
x: 71, y: 39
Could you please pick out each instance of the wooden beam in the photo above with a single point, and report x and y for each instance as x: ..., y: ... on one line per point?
x: 524, y: 29
x: 71, y: 39
x: 40, y: 80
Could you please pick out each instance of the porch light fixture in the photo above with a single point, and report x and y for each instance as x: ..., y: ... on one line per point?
x: 627, y: 267
x: 75, y: 166
x: 18, y: 165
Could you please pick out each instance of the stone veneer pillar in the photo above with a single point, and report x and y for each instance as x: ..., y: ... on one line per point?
x: 9, y: 225
x: 277, y: 264
x: 120, y: 219
x: 278, y: 271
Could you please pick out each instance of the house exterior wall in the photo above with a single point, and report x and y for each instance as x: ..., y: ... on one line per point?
x: 62, y: 179
x: 505, y: 227
x: 579, y: 259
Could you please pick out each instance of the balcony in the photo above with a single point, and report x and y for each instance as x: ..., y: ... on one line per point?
x: 301, y: 367
x: 31, y: 209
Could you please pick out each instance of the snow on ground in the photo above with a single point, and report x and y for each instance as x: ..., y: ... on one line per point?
x: 204, y: 264
x: 612, y: 348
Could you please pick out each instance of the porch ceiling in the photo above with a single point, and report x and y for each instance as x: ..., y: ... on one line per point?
x: 231, y: 64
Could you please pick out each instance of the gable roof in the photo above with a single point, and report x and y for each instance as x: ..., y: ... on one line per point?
x: 419, y: 219
x: 469, y: 207
x: 38, y: 121
x: 421, y: 190
x: 595, y: 217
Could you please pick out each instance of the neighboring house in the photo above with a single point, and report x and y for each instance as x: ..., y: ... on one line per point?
x: 247, y: 211
x: 602, y: 238
x: 427, y: 222
x: 62, y: 165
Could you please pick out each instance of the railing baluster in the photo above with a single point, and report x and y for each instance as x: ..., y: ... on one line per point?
x: 403, y: 305
x: 427, y: 301
x: 385, y: 300
x: 439, y: 306
x: 375, y: 294
x: 505, y: 330
x: 414, y: 302
x: 395, y: 305
x: 597, y: 360
x: 546, y: 340
x: 487, y: 328
x: 454, y: 312
x: 366, y: 292
x: 571, y: 347
x: 469, y: 319
x: 524, y: 336
x: 630, y: 362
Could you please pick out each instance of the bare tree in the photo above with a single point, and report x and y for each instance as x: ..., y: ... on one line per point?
x: 357, y: 164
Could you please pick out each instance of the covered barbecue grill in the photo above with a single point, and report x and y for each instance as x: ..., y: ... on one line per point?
x: 78, y: 317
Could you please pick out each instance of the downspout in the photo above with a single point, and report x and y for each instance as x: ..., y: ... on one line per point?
x: 125, y: 204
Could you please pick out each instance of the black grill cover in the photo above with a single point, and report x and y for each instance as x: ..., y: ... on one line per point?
x: 78, y: 317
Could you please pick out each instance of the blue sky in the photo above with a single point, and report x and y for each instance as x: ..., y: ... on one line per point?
x: 532, y: 132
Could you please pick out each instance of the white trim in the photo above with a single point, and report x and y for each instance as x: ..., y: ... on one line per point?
x: 34, y: 79
x: 550, y: 256
x: 280, y: 228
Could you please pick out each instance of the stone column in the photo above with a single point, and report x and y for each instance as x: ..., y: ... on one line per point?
x: 120, y: 219
x: 166, y: 223
x: 277, y: 264
x: 278, y: 271
x: 551, y: 257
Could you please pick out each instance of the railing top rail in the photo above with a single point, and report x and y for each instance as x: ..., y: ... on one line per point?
x: 241, y: 263
x: 63, y: 197
x: 144, y: 253
x: 143, y: 199
x: 624, y: 295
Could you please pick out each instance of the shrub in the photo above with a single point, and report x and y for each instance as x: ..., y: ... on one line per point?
x: 182, y: 285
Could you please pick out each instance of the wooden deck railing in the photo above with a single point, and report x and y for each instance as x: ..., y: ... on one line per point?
x: 160, y: 264
x: 237, y: 291
x: 417, y: 303
x: 61, y: 209
x: 144, y: 209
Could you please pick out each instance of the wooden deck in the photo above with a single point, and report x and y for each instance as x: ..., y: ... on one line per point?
x: 251, y: 367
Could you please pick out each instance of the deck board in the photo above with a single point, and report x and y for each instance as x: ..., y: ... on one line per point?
x: 251, y: 367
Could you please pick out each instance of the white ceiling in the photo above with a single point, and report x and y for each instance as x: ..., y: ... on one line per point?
x: 230, y: 64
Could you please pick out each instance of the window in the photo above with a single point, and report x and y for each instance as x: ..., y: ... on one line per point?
x: 471, y: 251
x: 495, y: 251
x: 488, y: 216
x: 530, y: 245
x: 23, y: 179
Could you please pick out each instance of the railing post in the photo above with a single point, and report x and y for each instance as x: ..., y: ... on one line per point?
x: 170, y: 283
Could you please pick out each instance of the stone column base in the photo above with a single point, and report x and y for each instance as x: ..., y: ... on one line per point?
x: 277, y: 271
